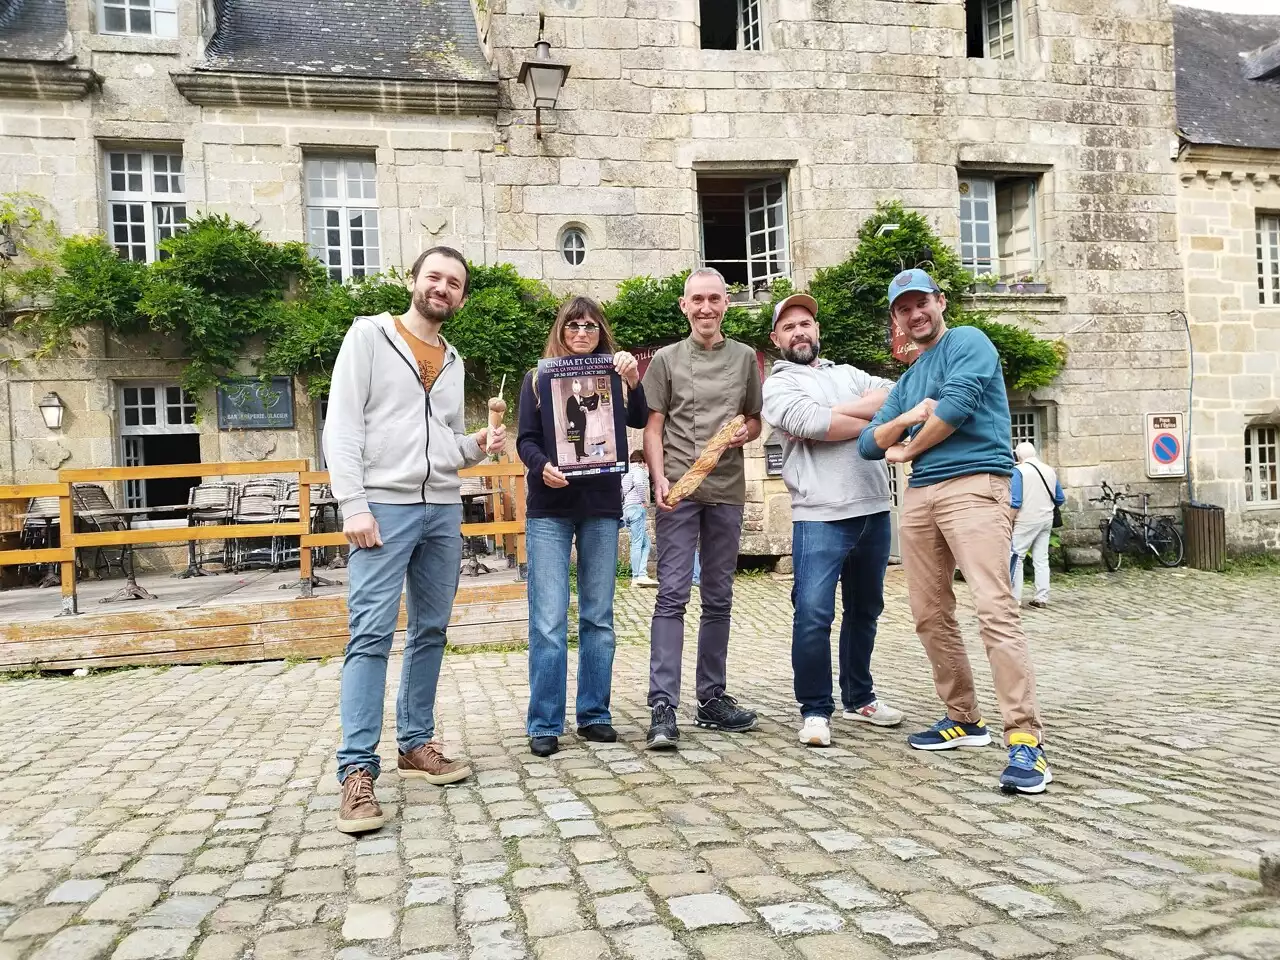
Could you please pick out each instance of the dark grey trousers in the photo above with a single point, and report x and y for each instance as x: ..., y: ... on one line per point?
x: 718, y: 526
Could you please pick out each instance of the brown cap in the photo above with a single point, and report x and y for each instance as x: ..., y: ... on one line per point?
x: 795, y: 300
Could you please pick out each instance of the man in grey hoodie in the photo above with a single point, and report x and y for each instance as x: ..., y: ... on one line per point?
x: 394, y: 441
x: 840, y: 511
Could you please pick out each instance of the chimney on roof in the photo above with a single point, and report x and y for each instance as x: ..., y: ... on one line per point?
x: 1263, y: 63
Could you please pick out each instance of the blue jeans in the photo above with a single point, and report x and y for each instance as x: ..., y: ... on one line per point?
x: 854, y: 552
x: 637, y: 518
x: 422, y: 541
x: 548, y: 541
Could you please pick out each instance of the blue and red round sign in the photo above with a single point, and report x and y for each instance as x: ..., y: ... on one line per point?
x: 1165, y: 448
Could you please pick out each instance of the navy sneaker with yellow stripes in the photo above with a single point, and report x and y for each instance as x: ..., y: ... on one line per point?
x: 947, y: 734
x: 1028, y: 770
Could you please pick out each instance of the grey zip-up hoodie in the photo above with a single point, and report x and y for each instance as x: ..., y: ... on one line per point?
x: 387, y: 439
x: 827, y: 479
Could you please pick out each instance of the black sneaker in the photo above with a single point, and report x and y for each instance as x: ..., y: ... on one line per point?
x: 663, y: 732
x: 598, y: 733
x: 544, y: 746
x: 723, y: 713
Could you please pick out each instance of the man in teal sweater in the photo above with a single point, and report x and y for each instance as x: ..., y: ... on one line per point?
x: 948, y: 416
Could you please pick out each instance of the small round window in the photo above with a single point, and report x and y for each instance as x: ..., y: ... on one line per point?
x: 573, y: 245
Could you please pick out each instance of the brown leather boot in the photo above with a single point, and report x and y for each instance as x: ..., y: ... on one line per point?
x: 359, y: 810
x: 428, y: 763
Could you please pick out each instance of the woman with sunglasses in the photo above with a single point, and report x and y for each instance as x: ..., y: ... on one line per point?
x: 561, y: 511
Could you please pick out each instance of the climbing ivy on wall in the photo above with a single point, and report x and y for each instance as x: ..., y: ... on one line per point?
x: 240, y: 303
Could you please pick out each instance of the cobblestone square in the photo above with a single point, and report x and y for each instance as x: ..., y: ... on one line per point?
x: 188, y: 812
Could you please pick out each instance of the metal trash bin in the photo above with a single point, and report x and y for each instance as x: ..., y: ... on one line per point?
x: 1206, y: 536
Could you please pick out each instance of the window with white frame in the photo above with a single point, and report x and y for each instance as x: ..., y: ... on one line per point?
x: 744, y: 229
x: 157, y: 426
x: 1268, y: 258
x: 148, y: 18
x: 1024, y: 425
x: 1262, y: 464
x: 342, y: 215
x: 573, y: 245
x: 146, y: 201
x: 992, y: 29
x: 731, y: 25
x: 999, y: 226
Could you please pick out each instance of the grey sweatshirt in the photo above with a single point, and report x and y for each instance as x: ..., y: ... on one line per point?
x: 827, y: 480
x: 387, y: 439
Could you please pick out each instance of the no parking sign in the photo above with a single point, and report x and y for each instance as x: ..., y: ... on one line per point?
x: 1166, y: 448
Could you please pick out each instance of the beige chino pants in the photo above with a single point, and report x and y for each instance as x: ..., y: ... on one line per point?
x: 965, y: 522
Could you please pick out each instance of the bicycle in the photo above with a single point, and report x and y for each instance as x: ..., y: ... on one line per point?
x: 1128, y: 531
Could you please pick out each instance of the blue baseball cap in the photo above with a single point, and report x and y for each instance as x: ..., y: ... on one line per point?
x: 908, y: 280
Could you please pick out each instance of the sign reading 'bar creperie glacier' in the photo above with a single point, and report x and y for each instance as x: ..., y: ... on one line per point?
x: 255, y: 404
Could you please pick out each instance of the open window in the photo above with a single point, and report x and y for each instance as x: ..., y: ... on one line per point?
x: 1000, y: 225
x: 745, y: 233
x: 158, y: 426
x: 992, y: 29
x: 731, y: 24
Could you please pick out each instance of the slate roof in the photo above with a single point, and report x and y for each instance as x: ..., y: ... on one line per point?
x: 34, y: 30
x: 385, y: 39
x: 1217, y: 102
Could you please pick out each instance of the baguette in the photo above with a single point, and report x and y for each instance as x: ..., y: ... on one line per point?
x: 705, y: 463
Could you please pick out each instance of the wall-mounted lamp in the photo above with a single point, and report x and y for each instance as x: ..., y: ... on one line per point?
x: 886, y: 228
x: 543, y: 77
x: 8, y: 246
x: 51, y: 409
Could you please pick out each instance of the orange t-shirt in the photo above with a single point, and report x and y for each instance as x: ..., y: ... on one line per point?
x: 430, y: 359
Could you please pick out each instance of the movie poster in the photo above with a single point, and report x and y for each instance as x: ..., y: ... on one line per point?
x: 586, y: 415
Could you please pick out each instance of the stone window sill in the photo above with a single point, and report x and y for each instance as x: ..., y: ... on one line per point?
x: 121, y: 43
x: 1015, y: 302
x: 1260, y: 511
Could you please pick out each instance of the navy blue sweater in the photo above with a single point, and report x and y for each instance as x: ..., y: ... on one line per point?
x: 597, y: 495
x: 962, y: 372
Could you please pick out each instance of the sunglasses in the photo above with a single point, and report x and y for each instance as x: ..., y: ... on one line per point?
x: 574, y: 326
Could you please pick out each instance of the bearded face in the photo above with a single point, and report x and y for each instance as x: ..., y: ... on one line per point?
x: 802, y: 350
x: 433, y: 306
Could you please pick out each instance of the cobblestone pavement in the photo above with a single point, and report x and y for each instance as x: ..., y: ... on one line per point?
x: 189, y: 812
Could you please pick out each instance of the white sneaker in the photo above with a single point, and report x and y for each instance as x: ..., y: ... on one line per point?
x: 643, y: 581
x: 816, y: 732
x: 877, y: 712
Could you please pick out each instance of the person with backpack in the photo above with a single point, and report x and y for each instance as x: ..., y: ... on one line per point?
x: 1034, y: 496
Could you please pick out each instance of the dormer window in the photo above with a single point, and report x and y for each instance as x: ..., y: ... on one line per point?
x: 145, y: 18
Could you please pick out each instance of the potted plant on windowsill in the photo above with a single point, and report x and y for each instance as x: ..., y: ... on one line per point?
x: 1030, y: 283
x: 738, y: 293
x: 989, y: 283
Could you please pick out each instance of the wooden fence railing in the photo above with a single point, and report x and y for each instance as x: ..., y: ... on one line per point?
x: 507, y: 478
x: 63, y: 555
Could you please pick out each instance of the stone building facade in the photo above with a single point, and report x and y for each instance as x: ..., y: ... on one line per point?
x: 1229, y: 206
x: 756, y: 135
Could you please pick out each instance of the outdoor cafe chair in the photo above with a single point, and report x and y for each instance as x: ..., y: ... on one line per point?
x: 43, y: 514
x: 288, y: 510
x: 256, y: 503
x: 95, y: 512
x: 210, y: 504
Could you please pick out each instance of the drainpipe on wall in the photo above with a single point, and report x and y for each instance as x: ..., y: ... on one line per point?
x: 1191, y: 381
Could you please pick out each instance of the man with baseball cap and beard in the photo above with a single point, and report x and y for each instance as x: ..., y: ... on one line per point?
x: 840, y: 518
x: 949, y: 417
